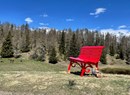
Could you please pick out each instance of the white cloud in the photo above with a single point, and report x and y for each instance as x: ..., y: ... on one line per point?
x: 122, y: 27
x: 28, y: 20
x: 69, y: 19
x: 43, y: 27
x: 118, y: 32
x: 44, y: 15
x: 98, y: 11
x: 44, y: 24
x: 32, y: 29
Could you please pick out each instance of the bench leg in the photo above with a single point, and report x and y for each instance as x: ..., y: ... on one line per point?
x: 69, y: 66
x: 82, y: 71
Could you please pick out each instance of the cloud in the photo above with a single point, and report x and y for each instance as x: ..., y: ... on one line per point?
x: 117, y: 32
x: 43, y: 27
x: 44, y: 24
x: 122, y: 27
x: 69, y: 20
x: 44, y: 15
x: 28, y: 20
x: 98, y: 11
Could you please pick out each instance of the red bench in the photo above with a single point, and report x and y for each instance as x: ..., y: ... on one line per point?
x: 89, y: 56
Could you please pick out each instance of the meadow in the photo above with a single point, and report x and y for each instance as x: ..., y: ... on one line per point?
x: 28, y: 77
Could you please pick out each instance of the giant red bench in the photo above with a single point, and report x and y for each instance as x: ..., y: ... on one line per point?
x: 89, y: 56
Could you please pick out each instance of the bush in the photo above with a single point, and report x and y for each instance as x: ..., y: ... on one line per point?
x: 128, y: 63
x: 38, y: 54
x: 25, y: 49
x: 117, y: 56
x: 16, y: 54
x: 34, y: 55
x: 71, y: 84
x: 116, y: 70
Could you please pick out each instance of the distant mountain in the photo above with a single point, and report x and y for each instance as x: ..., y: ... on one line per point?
x: 119, y: 32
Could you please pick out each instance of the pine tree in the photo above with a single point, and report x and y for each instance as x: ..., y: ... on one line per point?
x: 7, y: 48
x: 107, y: 42
x: 103, y: 57
x: 62, y: 44
x: 73, y: 50
x: 121, y: 55
x: 97, y: 39
x: 112, y: 51
x: 52, y: 56
x: 25, y: 46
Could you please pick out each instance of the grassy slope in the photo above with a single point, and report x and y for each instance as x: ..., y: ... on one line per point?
x: 38, y: 78
x: 28, y: 65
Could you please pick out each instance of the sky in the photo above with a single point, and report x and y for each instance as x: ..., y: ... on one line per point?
x: 112, y: 15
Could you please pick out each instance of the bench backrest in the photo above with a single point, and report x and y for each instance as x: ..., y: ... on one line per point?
x: 92, y: 53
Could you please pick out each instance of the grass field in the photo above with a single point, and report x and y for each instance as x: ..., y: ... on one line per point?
x: 29, y: 77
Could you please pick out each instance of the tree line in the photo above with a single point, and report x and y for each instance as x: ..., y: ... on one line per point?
x: 58, y: 44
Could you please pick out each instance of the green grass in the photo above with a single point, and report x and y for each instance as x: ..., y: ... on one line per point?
x: 28, y: 65
x: 116, y: 70
x: 38, y: 78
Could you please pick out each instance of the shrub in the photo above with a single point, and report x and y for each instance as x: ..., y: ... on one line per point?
x: 16, y: 54
x: 117, y: 56
x: 71, y: 84
x: 116, y: 70
x: 128, y: 63
x: 38, y: 54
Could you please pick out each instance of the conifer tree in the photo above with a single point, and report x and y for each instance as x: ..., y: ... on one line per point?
x: 103, y: 57
x: 7, y: 48
x: 25, y: 46
x: 62, y: 44
x: 52, y: 56
x: 112, y: 51
x: 121, y: 55
x: 73, y: 50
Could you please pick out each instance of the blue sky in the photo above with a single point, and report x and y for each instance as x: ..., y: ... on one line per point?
x: 62, y: 14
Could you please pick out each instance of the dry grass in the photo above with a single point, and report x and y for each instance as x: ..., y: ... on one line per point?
x: 53, y: 83
x: 38, y: 78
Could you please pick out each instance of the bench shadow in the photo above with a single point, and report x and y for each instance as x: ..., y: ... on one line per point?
x: 78, y: 73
